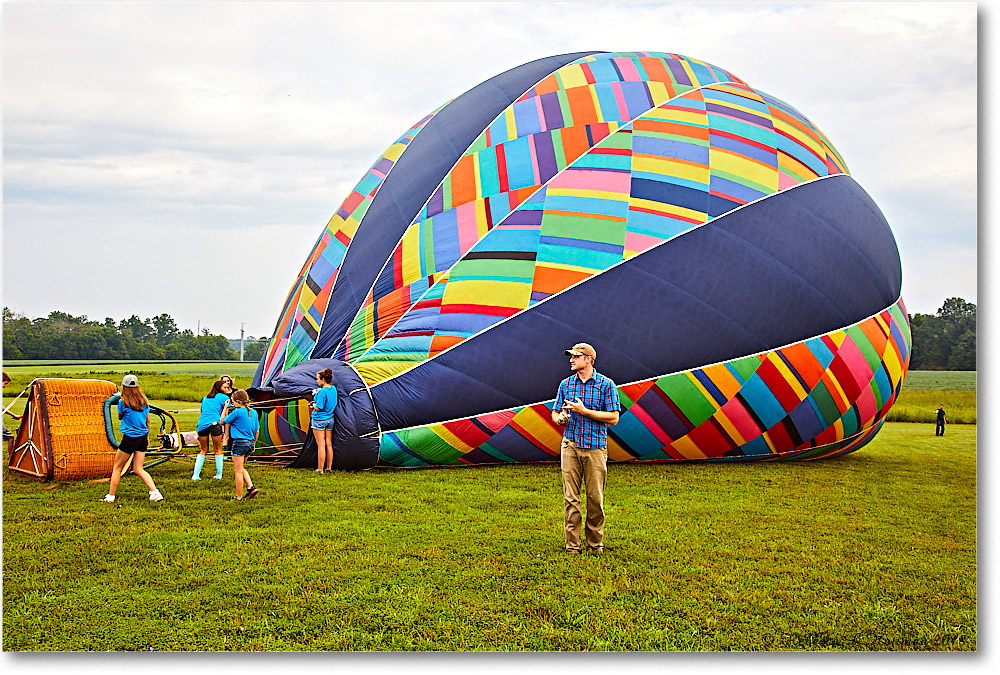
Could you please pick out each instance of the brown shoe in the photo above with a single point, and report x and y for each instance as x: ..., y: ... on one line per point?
x: 574, y: 551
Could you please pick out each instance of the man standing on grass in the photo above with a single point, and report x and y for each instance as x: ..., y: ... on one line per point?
x: 587, y: 402
x: 939, y: 429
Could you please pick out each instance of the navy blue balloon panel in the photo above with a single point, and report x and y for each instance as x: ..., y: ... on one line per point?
x: 801, y: 263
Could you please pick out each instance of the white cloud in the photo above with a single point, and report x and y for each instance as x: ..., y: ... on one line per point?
x: 234, y: 130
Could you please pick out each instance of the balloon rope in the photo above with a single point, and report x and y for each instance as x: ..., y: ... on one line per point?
x: 6, y: 411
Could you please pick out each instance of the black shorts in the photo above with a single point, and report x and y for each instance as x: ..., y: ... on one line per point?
x: 132, y: 444
x: 213, y: 430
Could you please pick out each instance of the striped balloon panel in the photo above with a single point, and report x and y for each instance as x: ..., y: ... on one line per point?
x: 302, y: 314
x: 677, y: 167
x: 821, y: 397
x: 539, y: 135
x: 285, y: 427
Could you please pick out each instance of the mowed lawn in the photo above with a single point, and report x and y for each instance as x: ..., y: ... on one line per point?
x: 872, y: 551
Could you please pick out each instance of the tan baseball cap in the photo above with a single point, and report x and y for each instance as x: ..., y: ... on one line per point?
x: 582, y: 348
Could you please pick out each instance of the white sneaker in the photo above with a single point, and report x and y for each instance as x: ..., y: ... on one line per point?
x: 155, y: 496
x: 108, y: 498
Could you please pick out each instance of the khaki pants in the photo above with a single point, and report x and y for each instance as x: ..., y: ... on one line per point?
x: 590, y: 465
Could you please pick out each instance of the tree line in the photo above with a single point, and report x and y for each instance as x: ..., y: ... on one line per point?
x: 64, y: 336
x: 942, y: 341
x: 946, y: 340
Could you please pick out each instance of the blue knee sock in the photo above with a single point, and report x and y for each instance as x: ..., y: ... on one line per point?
x: 218, y: 466
x: 199, y: 462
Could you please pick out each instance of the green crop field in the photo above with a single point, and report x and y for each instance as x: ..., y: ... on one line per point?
x: 924, y: 390
x: 937, y: 380
x: 875, y: 551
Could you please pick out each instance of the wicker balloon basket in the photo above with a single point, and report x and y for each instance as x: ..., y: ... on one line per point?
x: 62, y: 434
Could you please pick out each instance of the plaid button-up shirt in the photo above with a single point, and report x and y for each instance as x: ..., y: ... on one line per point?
x: 597, y: 393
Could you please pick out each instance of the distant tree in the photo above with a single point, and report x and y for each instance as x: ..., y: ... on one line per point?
x: 215, y: 348
x: 204, y: 347
x: 959, y: 318
x: 963, y: 355
x: 166, y: 329
x: 925, y: 334
x: 254, y: 350
x: 63, y: 336
x: 136, y: 350
x: 182, y: 348
x: 946, y: 340
x: 138, y: 329
x: 15, y: 328
x: 64, y: 321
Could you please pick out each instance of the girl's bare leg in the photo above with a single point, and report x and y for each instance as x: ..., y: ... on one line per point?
x: 239, y: 475
x: 320, y: 449
x: 121, y: 461
x: 137, y: 461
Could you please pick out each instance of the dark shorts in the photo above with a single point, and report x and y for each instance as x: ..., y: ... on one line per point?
x: 132, y: 444
x: 240, y: 447
x: 213, y: 430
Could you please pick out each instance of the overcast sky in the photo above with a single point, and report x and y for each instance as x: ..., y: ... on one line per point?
x: 183, y: 158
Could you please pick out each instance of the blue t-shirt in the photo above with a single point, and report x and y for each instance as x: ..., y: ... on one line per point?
x: 134, y: 422
x: 211, y: 410
x: 325, y: 401
x: 243, y: 424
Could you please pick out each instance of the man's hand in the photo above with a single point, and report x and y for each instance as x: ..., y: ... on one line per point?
x: 560, y: 417
x: 597, y: 415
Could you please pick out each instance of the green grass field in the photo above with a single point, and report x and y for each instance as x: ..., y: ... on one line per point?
x: 874, y: 551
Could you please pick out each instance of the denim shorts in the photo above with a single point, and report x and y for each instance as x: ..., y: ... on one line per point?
x: 322, y: 424
x: 240, y: 447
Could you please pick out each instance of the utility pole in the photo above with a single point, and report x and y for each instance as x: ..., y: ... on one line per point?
x: 241, y: 339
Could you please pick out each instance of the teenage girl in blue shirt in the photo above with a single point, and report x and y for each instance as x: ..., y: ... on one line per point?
x: 243, y: 430
x: 133, y: 411
x: 210, y: 424
x: 322, y: 406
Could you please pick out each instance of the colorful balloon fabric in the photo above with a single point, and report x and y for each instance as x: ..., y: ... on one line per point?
x: 738, y: 285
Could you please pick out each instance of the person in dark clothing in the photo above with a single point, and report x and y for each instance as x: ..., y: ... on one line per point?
x: 939, y: 429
